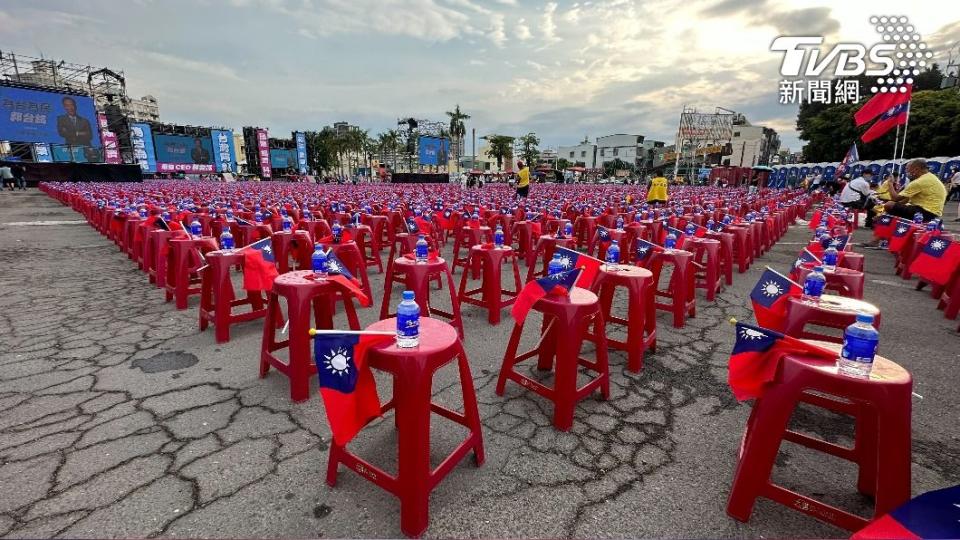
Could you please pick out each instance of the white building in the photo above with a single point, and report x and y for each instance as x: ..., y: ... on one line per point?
x: 626, y: 148
x: 583, y: 154
x: 752, y: 145
x: 145, y: 109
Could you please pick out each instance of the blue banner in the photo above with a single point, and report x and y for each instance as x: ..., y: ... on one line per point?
x: 65, y: 153
x: 283, y: 158
x: 41, y: 153
x: 224, y: 156
x: 301, y: 139
x: 433, y: 151
x: 48, y: 117
x: 183, y: 149
x: 141, y: 139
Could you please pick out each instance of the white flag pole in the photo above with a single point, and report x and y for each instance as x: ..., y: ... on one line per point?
x: 895, y: 141
x: 906, y: 124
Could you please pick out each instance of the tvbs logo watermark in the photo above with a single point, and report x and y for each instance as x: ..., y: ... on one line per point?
x: 894, y: 61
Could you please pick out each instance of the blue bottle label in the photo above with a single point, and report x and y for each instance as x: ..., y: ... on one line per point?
x: 857, y: 349
x: 408, y: 325
x: 422, y: 251
x: 813, y: 287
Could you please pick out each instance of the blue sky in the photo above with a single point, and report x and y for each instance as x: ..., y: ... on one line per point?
x: 562, y: 69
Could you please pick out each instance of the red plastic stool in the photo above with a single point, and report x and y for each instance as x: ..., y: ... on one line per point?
x: 543, y: 252
x: 253, y: 233
x: 378, y: 230
x: 641, y: 321
x: 412, y: 371
x: 742, y: 246
x: 584, y: 229
x: 851, y: 260
x: 287, y: 245
x: 491, y: 294
x: 706, y: 264
x: 843, y: 281
x: 466, y: 239
x: 416, y: 277
x: 129, y: 236
x: 318, y: 228
x: 881, y: 406
x: 622, y: 237
x: 301, y: 292
x: 726, y: 254
x: 155, y: 255
x: 837, y: 312
x: 522, y: 232
x: 566, y: 323
x: 403, y: 244
x: 218, y: 297
x: 363, y: 236
x: 680, y: 291
x: 184, y: 260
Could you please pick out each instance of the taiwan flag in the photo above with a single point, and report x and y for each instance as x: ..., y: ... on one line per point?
x: 879, y: 104
x: 883, y: 226
x: 818, y: 217
x: 901, y: 233
x: 840, y: 242
x: 893, y: 117
x: 848, y: 160
x: 443, y: 219
x: 769, y: 297
x: 644, y: 251
x: 259, y: 266
x: 937, y: 261
x: 805, y: 258
x: 571, y: 260
x: 603, y: 237
x: 559, y: 284
x: 338, y: 273
x: 423, y: 225
x: 666, y: 231
x: 346, y: 382
x: 935, y: 514
x: 756, y: 356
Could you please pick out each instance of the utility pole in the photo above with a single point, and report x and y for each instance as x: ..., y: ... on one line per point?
x: 473, y: 161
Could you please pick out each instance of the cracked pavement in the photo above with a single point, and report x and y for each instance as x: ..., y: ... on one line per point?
x: 119, y: 419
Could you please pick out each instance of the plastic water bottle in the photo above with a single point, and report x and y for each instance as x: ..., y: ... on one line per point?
x: 287, y: 222
x: 258, y: 216
x: 143, y: 213
x: 619, y: 223
x: 568, y: 229
x: 318, y: 261
x: 918, y: 218
x: 670, y: 242
x: 711, y: 224
x: 421, y: 250
x: 690, y: 229
x: 408, y: 322
x: 229, y: 214
x: 830, y: 259
x: 555, y: 266
x: 934, y: 225
x: 498, y: 237
x: 337, y: 233
x: 819, y: 232
x: 613, y: 256
x: 195, y: 228
x: 860, y: 341
x: 813, y: 285
x: 306, y: 215
x: 226, y: 239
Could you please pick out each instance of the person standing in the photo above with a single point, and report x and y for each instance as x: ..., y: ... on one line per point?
x: 657, y: 191
x: 954, y: 185
x: 523, y: 180
x: 19, y: 176
x: 6, y: 175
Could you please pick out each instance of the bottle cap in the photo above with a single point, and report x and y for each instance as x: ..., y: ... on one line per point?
x: 865, y: 318
x: 818, y: 269
x: 408, y: 295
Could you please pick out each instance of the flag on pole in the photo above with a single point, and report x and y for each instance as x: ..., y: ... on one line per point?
x: 338, y: 273
x: 571, y: 260
x: 937, y: 261
x: 644, y: 251
x: 883, y: 226
x: 559, y: 284
x: 346, y: 382
x: 805, y: 258
x: 756, y: 356
x: 259, y: 266
x: 769, y: 297
x: 852, y: 157
x: 893, y: 117
x: 881, y: 103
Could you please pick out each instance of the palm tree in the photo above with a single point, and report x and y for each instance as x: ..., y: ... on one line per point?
x: 458, y: 130
x: 501, y: 146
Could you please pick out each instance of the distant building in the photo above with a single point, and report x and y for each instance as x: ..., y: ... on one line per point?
x: 341, y: 128
x: 583, y: 154
x: 145, y: 109
x: 752, y: 145
x: 626, y: 148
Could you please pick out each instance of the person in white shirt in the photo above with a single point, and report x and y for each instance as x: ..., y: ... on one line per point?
x: 858, y: 194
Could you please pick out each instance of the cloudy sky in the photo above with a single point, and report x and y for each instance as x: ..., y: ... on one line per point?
x: 563, y: 69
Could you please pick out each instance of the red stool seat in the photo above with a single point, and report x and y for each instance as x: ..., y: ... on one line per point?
x: 466, y: 239
x: 726, y: 254
x: 680, y: 291
x: 301, y: 292
x: 566, y: 321
x: 837, y: 312
x: 543, y: 252
x: 584, y: 229
x: 296, y: 245
x: 416, y: 277
x: 742, y: 246
x: 412, y: 370
x: 218, y: 297
x: 641, y: 320
x: 184, y: 259
x: 706, y: 263
x: 843, y: 281
x: 881, y: 406
x: 491, y: 294
x: 851, y: 260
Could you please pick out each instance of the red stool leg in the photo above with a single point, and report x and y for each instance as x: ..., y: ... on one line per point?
x: 509, y: 357
x: 298, y: 315
x: 413, y: 467
x: 471, y: 412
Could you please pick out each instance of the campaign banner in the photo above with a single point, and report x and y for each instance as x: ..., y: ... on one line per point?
x: 263, y: 152
x: 184, y: 149
x: 141, y: 138
x: 41, y: 153
x: 111, y: 148
x: 66, y: 154
x: 47, y: 117
x: 165, y: 167
x: 301, y: 139
x: 433, y: 150
x: 224, y: 154
x: 283, y: 158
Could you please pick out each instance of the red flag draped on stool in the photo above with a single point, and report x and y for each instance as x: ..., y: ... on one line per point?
x: 901, y: 232
x: 337, y: 272
x: 346, y: 382
x: 645, y: 250
x: 769, y: 297
x: 883, y: 226
x: 937, y: 260
x: 558, y: 284
x: 935, y: 514
x: 805, y: 258
x: 756, y: 355
x: 571, y: 259
x: 259, y: 266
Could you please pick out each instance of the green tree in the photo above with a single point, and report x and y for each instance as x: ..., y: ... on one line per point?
x: 458, y: 130
x: 321, y: 150
x: 611, y: 167
x: 528, y: 148
x: 501, y: 147
x: 563, y: 163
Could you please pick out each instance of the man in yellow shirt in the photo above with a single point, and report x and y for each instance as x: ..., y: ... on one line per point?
x: 523, y: 180
x: 657, y: 192
x: 925, y: 194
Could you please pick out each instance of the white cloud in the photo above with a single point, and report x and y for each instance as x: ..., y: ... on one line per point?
x: 496, y: 32
x: 209, y: 68
x: 549, y: 27
x: 476, y: 62
x: 522, y: 31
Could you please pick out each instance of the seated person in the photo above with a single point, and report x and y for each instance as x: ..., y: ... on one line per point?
x: 858, y: 195
x: 925, y: 194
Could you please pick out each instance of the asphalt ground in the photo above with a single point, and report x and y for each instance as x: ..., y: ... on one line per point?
x: 119, y: 419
